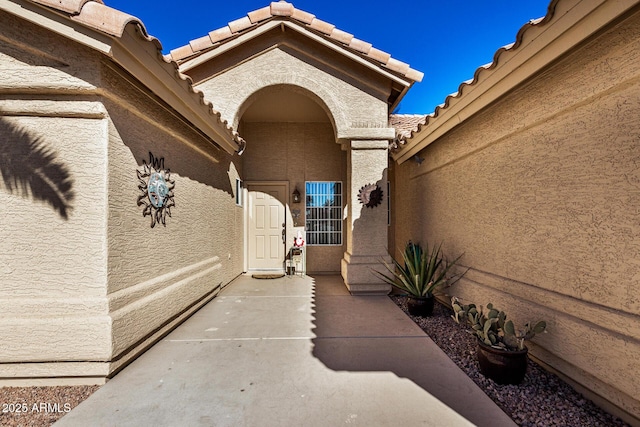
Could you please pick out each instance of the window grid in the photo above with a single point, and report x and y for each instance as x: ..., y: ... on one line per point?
x: 324, y: 213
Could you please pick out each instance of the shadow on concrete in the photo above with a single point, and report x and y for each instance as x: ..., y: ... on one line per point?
x: 371, y: 334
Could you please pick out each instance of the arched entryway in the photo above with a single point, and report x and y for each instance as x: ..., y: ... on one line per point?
x: 293, y: 149
x: 314, y: 113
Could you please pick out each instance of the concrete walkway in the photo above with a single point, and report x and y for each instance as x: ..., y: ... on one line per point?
x: 291, y: 352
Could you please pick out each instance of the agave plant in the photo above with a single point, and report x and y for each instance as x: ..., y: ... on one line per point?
x: 421, y: 272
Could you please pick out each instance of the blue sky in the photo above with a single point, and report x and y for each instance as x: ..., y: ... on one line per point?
x: 447, y: 40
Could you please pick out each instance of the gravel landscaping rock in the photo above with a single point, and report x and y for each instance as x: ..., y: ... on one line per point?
x: 542, y: 399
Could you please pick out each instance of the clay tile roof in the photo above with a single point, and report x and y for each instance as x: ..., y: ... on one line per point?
x: 95, y: 15
x: 360, y: 46
x: 303, y: 16
x: 260, y: 14
x: 285, y: 10
x: 320, y: 25
x: 405, y: 125
x: 69, y: 6
x: 484, y: 71
x: 281, y: 8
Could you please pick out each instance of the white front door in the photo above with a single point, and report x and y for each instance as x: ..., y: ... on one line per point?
x: 265, y: 226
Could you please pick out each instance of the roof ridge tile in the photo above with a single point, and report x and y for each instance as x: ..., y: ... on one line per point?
x: 398, y: 66
x: 360, y: 45
x: 182, y: 52
x: 341, y: 36
x: 281, y: 8
x: 219, y: 35
x: 379, y: 55
x: 240, y: 24
x: 303, y: 16
x: 322, y: 26
x: 201, y: 43
x: 260, y: 14
x: 284, y: 9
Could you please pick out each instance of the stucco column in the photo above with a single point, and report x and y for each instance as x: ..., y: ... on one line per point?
x: 366, y: 227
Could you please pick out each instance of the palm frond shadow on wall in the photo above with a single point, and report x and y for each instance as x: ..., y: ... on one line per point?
x: 30, y: 169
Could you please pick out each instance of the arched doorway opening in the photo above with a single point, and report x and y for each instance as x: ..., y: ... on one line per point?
x: 292, y: 147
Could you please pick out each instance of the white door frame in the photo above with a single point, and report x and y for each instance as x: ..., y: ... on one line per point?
x: 247, y: 209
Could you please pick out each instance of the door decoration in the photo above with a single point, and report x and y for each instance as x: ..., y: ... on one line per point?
x: 370, y: 195
x: 156, y: 187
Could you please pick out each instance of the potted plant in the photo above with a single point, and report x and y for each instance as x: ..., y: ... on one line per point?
x: 502, y: 355
x: 420, y: 274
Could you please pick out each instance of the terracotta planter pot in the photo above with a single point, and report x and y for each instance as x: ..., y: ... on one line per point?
x: 504, y: 367
x: 422, y: 306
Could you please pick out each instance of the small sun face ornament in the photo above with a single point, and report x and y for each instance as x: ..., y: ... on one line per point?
x: 370, y: 195
x: 156, y: 187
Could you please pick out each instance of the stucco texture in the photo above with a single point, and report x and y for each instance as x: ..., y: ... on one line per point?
x: 541, y: 193
x: 85, y: 288
x: 347, y: 105
x: 164, y: 269
x: 53, y: 198
x: 297, y: 152
x: 51, y: 308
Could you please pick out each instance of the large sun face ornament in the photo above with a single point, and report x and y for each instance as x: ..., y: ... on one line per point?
x: 156, y: 187
x: 370, y: 195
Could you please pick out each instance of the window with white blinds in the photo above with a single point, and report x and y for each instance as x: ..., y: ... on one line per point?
x: 323, y: 213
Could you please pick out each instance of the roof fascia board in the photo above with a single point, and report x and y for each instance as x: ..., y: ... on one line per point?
x: 251, y: 34
x: 397, y: 101
x: 555, y: 39
x: 146, y: 67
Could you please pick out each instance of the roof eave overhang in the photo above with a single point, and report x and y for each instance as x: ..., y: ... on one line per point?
x: 164, y: 80
x: 394, y: 102
x: 143, y: 60
x: 514, y: 67
x: 279, y: 22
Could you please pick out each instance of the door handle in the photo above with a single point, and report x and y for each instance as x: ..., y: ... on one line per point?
x: 284, y: 233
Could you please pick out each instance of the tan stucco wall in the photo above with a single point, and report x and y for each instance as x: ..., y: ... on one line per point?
x: 367, y: 227
x: 155, y: 273
x: 83, y: 295
x: 541, y: 193
x: 298, y: 152
x: 51, y: 309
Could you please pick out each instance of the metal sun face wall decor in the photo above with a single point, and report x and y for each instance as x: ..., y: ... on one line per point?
x: 370, y: 195
x: 156, y: 187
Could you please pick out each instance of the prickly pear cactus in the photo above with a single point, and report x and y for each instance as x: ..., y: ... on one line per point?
x: 492, y: 327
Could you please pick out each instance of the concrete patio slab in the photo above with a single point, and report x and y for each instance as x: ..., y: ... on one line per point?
x: 285, y: 359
